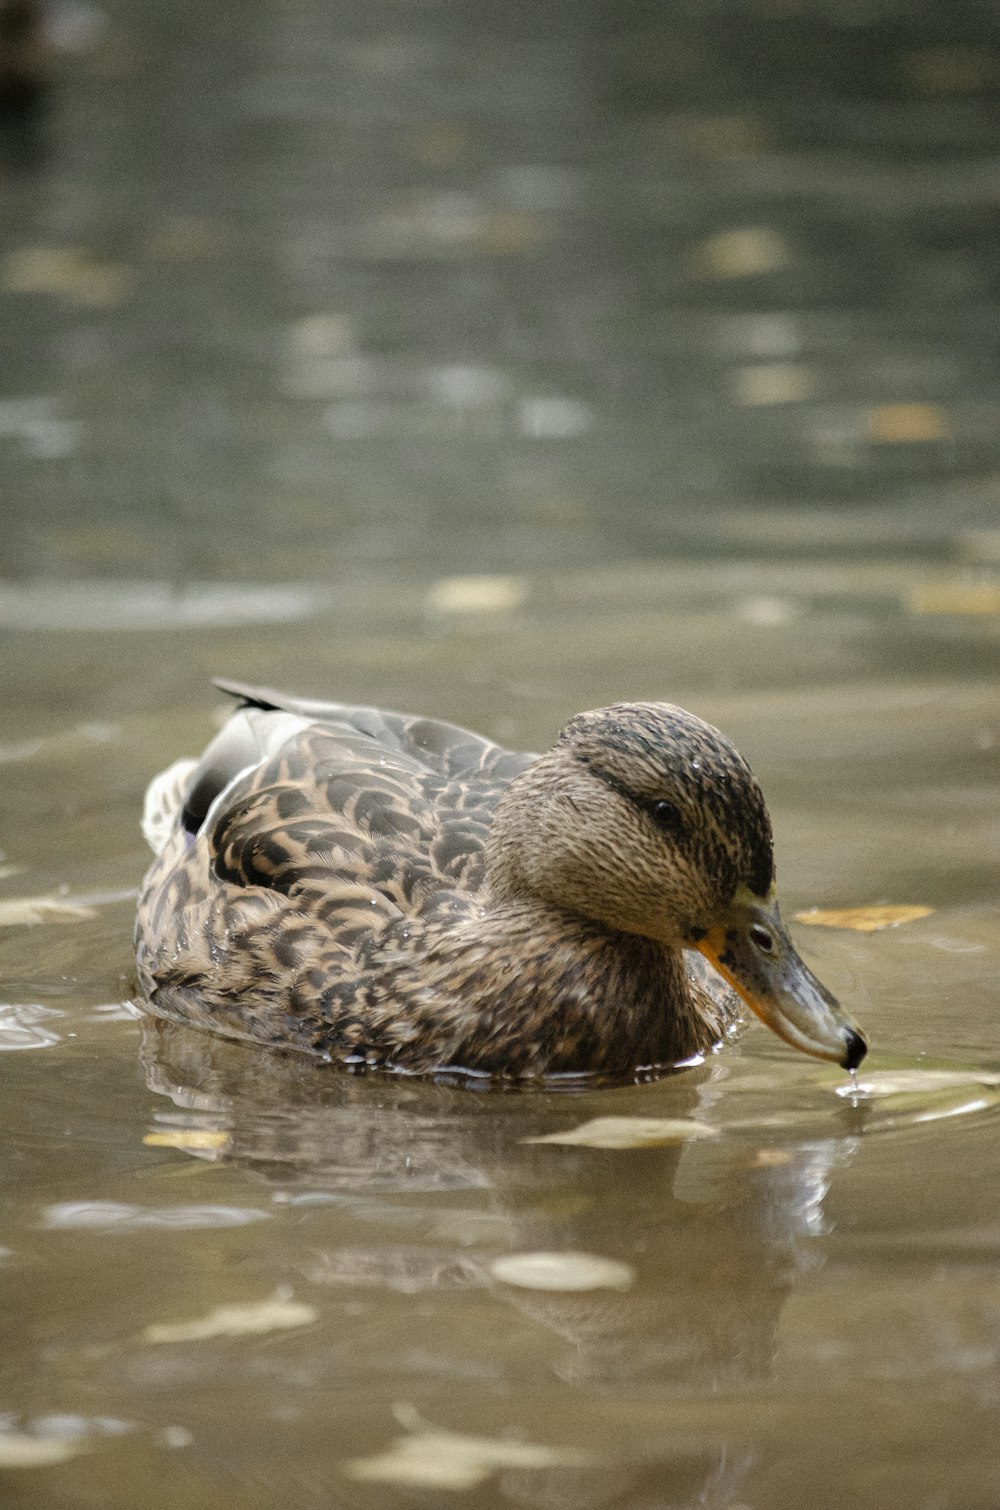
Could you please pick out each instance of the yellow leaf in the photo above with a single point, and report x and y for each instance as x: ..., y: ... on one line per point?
x: 955, y: 597
x: 744, y: 253
x: 898, y: 424
x: 187, y: 1137
x: 629, y: 1132
x: 862, y: 919
x: 771, y: 1158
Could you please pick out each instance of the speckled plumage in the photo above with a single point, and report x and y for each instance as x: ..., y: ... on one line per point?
x: 394, y: 891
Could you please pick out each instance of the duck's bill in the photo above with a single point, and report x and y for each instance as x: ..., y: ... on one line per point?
x: 751, y: 950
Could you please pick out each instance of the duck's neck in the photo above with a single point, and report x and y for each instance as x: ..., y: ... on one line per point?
x: 522, y: 988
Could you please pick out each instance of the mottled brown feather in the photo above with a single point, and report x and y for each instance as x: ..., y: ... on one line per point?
x: 393, y: 891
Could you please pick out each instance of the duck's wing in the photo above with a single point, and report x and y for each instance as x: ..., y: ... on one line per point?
x: 437, y: 747
x: 321, y: 800
x: 303, y: 832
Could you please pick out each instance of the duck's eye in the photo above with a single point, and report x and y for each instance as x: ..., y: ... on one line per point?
x: 763, y: 938
x: 665, y: 816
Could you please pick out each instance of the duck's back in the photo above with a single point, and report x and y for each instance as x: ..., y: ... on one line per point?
x: 305, y: 816
x: 292, y: 791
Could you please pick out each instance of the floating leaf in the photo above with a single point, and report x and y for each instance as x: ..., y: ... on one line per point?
x: 562, y: 1271
x: 18, y: 1450
x: 973, y: 598
x: 910, y: 1082
x: 476, y: 594
x: 432, y: 1458
x: 862, y: 919
x: 508, y: 231
x: 744, y: 253
x: 188, y: 1137
x: 899, y: 424
x: 762, y: 384
x: 68, y: 270
x: 250, y: 1319
x: 629, y: 1132
x: 25, y: 912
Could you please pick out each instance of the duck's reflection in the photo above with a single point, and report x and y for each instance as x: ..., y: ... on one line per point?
x: 715, y: 1232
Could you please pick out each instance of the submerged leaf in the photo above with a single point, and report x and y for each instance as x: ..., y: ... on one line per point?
x: 18, y: 1450
x: 25, y: 912
x: 862, y: 919
x: 432, y: 1458
x: 562, y: 1271
x: 629, y: 1132
x: 250, y: 1319
x: 187, y: 1137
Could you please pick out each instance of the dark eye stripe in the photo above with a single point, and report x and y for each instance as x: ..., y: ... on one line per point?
x: 664, y: 814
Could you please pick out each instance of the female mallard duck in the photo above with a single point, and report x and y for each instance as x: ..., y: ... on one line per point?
x: 392, y: 891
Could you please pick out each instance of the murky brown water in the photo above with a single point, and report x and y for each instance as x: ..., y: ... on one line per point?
x: 813, y: 1315
x: 501, y: 369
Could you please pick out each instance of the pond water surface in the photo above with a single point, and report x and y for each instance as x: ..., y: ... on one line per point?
x: 498, y: 369
x: 811, y: 1312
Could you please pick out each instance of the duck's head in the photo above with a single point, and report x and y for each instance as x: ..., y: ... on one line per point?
x: 645, y: 819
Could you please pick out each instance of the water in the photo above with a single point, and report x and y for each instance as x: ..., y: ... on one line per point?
x: 524, y: 368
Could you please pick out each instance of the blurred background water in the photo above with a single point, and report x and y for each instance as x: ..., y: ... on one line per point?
x: 498, y: 362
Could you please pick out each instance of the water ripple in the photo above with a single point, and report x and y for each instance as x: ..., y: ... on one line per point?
x: 117, y: 1216
x: 22, y: 1026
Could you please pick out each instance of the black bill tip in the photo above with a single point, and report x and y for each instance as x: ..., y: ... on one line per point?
x: 855, y: 1051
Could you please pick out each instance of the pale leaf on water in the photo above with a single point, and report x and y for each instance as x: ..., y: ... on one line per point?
x: 18, y: 1450
x: 629, y: 1132
x: 188, y: 1138
x: 917, y: 1082
x: 862, y: 919
x: 955, y: 599
x: 433, y: 1458
x: 26, y: 912
x: 252, y: 1318
x: 562, y: 1271
x: 476, y: 594
x: 907, y: 424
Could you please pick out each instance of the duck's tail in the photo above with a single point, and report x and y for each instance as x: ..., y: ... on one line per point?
x: 165, y: 797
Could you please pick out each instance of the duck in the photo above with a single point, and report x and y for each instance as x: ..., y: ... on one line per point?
x: 391, y: 892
